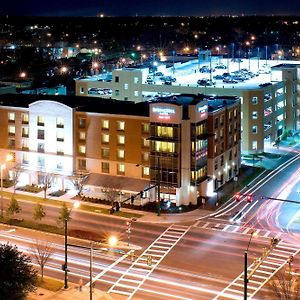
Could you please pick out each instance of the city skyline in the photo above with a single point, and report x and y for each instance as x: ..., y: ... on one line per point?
x: 153, y: 8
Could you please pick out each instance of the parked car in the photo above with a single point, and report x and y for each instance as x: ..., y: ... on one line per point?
x: 218, y: 77
x: 221, y: 67
x: 229, y: 80
x: 204, y: 82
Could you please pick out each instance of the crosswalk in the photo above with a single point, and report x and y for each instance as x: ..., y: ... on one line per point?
x: 129, y: 283
x: 232, y: 228
x: 276, y: 259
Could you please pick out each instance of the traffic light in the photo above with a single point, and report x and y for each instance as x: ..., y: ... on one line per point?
x: 237, y: 196
x: 249, y: 198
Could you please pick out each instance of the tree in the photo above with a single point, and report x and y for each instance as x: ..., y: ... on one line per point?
x: 111, y: 194
x: 17, y: 275
x: 79, y: 179
x: 285, y: 286
x: 42, y: 252
x: 17, y: 170
x: 46, y: 182
x: 64, y: 214
x: 38, y: 212
x: 13, y: 208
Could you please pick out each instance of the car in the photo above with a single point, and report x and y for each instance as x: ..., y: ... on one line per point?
x: 205, y: 82
x: 226, y: 75
x: 229, y: 80
x: 221, y: 67
x: 218, y: 77
x: 159, y: 74
x: 168, y: 82
x: 170, y: 78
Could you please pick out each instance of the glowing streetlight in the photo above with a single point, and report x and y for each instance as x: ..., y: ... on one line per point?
x: 64, y: 69
x: 8, y: 158
x: 22, y: 74
x: 95, y: 65
x: 112, y: 241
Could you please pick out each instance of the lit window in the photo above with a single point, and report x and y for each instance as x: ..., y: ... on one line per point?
x: 105, y: 152
x: 120, y: 153
x: 59, y: 122
x: 25, y: 145
x: 254, y: 129
x: 164, y: 147
x: 164, y: 131
x: 105, y: 124
x: 145, y: 156
x: 136, y: 93
x: 146, y: 143
x: 254, y: 145
x: 105, y: 167
x: 40, y: 121
x: 81, y: 122
x: 121, y: 139
x: 126, y: 86
x: 82, y: 135
x: 41, y: 161
x: 60, y: 136
x: 11, y: 130
x: 121, y: 125
x: 105, y: 138
x: 121, y: 169
x: 25, y: 132
x: 145, y: 128
x: 81, y: 149
x: 254, y: 100
x: 136, y: 80
x: 254, y: 115
x: 146, y: 171
x: 11, y: 117
x: 25, y: 159
x: 25, y: 118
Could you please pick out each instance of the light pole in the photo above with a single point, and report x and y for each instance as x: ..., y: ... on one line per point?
x: 2, y: 166
x: 91, y: 271
x: 253, y: 233
x: 76, y: 204
x: 158, y: 186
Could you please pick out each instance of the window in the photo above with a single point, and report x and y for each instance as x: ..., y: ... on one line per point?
x: 164, y: 131
x: 254, y: 129
x: 121, y: 169
x: 254, y: 145
x: 121, y: 139
x: 120, y: 154
x: 216, y: 164
x: 222, y: 120
x: 164, y: 147
x: 82, y: 135
x: 145, y: 128
x: 81, y: 149
x: 81, y: 90
x: 59, y: 122
x: 117, y: 79
x: 60, y: 136
x: 25, y: 132
x: 136, y: 93
x: 41, y: 147
x: 146, y: 143
x: 105, y: 138
x: 105, y: 152
x: 105, y: 124
x: 81, y: 164
x: 117, y: 92
x: 11, y: 130
x: 222, y: 160
x: 25, y: 159
x: 41, y: 134
x: 25, y: 118
x: 120, y: 125
x: 145, y: 156
x: 216, y: 122
x: 25, y: 145
x: 254, y: 100
x: 81, y: 123
x: 126, y: 86
x: 235, y: 113
x: 40, y: 121
x: 59, y: 165
x: 254, y: 115
x: 41, y: 161
x: 136, y: 80
x: 11, y: 117
x: 105, y: 167
x: 145, y: 171
x: 60, y: 151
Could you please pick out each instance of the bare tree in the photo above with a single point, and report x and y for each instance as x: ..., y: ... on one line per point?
x: 285, y: 286
x: 17, y: 170
x: 79, y: 179
x: 111, y: 194
x: 47, y: 181
x: 43, y: 250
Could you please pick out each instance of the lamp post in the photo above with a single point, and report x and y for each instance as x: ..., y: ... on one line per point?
x: 76, y: 204
x: 253, y: 233
x: 91, y: 271
x: 8, y: 157
x: 158, y: 186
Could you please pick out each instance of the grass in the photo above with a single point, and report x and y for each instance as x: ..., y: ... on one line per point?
x: 50, y: 284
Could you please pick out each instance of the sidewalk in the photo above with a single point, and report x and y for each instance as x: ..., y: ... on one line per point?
x: 72, y: 293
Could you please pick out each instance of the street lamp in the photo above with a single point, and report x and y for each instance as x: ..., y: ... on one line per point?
x: 8, y: 158
x: 158, y: 186
x: 76, y: 204
x: 253, y: 234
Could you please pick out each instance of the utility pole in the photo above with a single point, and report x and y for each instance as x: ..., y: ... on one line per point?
x: 91, y: 271
x: 158, y: 186
x: 66, y: 255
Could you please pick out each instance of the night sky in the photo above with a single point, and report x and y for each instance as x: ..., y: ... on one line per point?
x: 148, y: 7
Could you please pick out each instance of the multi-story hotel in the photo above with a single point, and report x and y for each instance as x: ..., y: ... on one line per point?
x: 124, y: 145
x: 269, y: 101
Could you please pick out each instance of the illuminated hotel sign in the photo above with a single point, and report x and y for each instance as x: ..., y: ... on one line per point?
x: 203, y: 111
x: 164, y: 113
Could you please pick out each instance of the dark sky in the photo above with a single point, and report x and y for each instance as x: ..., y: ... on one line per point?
x: 148, y: 7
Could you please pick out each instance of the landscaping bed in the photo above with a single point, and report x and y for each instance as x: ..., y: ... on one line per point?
x: 30, y: 188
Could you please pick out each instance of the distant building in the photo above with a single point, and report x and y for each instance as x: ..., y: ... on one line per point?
x: 125, y: 145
